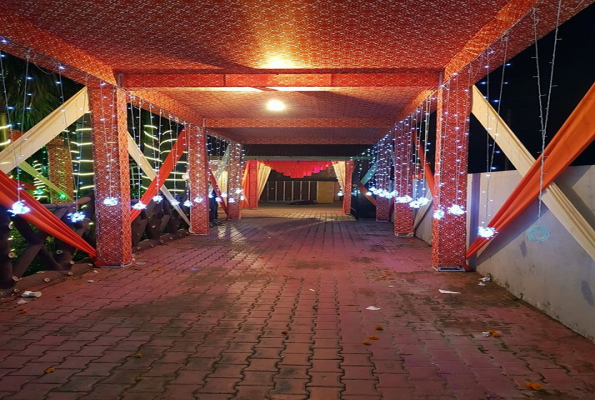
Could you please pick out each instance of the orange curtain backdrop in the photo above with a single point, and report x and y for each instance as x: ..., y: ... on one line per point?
x: 217, y: 191
x: 577, y: 133
x: 166, y: 168
x: 41, y: 217
x: 298, y: 169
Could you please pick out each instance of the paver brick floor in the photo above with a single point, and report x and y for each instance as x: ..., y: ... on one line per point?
x: 276, y: 308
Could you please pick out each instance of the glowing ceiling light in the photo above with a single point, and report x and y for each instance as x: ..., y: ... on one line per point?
x: 275, y: 105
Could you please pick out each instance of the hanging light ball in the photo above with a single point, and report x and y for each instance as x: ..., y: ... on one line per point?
x: 456, y: 210
x: 538, y: 233
x: 340, y: 193
x: 198, y: 199
x: 19, y: 208
x: 238, y: 191
x: 415, y: 204
x: 174, y: 202
x: 218, y: 199
x: 77, y: 216
x: 187, y: 203
x: 438, y: 214
x: 404, y: 199
x: 423, y: 201
x: 486, y: 232
x: 232, y: 200
x: 110, y: 201
x: 368, y: 193
x: 139, y: 206
x: 224, y: 195
x: 158, y: 198
x: 242, y: 197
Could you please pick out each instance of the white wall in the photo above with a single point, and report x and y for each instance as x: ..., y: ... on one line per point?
x: 557, y: 276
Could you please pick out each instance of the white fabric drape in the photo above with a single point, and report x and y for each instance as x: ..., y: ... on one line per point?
x: 263, y: 177
x: 339, y: 167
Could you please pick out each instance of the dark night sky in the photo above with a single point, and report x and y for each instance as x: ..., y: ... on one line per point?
x: 574, y: 73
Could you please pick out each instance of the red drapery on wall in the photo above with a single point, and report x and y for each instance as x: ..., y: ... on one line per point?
x: 41, y: 217
x: 166, y: 168
x: 298, y: 169
x: 573, y: 137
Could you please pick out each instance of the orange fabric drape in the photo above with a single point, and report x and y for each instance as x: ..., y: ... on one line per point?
x: 573, y: 137
x: 41, y: 217
x: 246, y: 184
x: 298, y: 169
x: 166, y: 168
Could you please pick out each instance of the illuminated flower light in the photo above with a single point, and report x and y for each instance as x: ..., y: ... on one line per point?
x: 368, y: 193
x: 139, y: 206
x: 198, y: 199
x: 218, y: 199
x: 340, y: 193
x: 394, y: 193
x: 404, y: 199
x: 415, y: 204
x: 174, y: 202
x: 456, y: 210
x: 232, y: 200
x: 242, y: 197
x: 77, y: 216
x: 110, y: 201
x: 210, y: 195
x: 158, y: 198
x: 19, y: 208
x: 224, y: 195
x: 187, y: 203
x: 238, y: 191
x: 438, y: 214
x: 423, y: 201
x: 486, y: 232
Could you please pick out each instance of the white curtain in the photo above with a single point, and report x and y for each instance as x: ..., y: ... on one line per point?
x: 339, y: 167
x: 263, y: 177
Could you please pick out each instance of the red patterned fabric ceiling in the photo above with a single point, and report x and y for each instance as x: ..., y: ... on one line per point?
x: 190, y: 34
x: 359, y: 60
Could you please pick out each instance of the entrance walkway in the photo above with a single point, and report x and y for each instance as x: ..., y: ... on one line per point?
x: 277, y: 308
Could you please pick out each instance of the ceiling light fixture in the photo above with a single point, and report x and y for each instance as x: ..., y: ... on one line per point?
x: 275, y: 105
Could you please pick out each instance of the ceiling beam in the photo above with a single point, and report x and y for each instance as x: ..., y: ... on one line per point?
x: 369, y: 140
x: 281, y: 79
x: 497, y: 27
x: 298, y: 122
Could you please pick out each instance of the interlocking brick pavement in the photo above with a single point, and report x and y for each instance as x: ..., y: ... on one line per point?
x: 273, y: 306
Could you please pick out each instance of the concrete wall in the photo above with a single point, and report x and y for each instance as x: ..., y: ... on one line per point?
x: 557, y: 276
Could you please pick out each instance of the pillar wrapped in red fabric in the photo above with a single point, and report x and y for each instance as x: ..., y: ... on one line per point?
x: 298, y: 169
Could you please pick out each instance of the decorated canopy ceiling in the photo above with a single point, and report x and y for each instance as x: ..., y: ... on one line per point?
x: 345, y: 70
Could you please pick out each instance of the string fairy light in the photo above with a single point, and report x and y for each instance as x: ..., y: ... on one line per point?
x: 19, y: 207
x: 538, y: 232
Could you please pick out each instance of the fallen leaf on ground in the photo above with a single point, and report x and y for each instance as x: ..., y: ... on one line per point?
x: 139, y: 378
x: 379, y: 328
x: 367, y: 342
x: 534, y: 385
x: 138, y: 355
x: 372, y: 308
x: 49, y: 370
x: 373, y: 337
